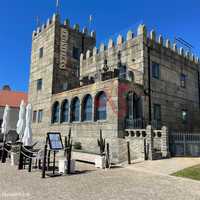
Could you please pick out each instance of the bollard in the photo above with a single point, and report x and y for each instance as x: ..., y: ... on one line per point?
x: 4, y: 153
x: 44, y: 161
x: 107, y: 155
x: 20, y: 166
x: 128, y: 153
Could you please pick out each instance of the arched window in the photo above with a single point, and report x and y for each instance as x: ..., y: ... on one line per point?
x: 65, y: 111
x: 75, y: 110
x: 87, y: 108
x: 101, y: 106
x: 55, y: 112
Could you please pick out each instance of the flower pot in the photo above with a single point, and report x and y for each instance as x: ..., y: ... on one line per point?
x: 100, y: 162
x: 62, y: 166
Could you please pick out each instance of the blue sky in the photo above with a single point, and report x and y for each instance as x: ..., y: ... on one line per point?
x: 18, y: 20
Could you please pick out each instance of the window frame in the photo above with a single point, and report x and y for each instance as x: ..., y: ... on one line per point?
x: 183, y: 78
x: 39, y: 84
x: 54, y: 113
x: 154, y: 112
x: 184, y: 121
x: 34, y: 119
x: 99, y: 111
x: 41, y: 52
x: 73, y: 111
x: 40, y: 116
x: 63, y: 111
x: 155, y: 67
x: 87, y: 115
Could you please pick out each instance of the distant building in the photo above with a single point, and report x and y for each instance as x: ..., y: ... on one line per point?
x: 13, y: 99
x: 119, y: 88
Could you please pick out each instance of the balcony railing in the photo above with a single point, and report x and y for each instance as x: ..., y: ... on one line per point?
x: 140, y: 123
x: 135, y: 123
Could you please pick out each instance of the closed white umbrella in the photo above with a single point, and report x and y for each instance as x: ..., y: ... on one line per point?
x: 21, y: 120
x: 5, y: 127
x: 27, y: 137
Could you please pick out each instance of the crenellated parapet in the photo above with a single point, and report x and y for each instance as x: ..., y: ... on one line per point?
x: 66, y: 24
x: 107, y: 49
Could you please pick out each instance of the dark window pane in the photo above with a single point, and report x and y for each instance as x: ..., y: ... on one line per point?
x: 87, y: 108
x: 155, y: 70
x: 34, y: 116
x: 76, y: 53
x: 65, y: 111
x: 122, y: 72
x: 55, y: 113
x: 157, y: 112
x: 40, y: 115
x: 39, y: 84
x: 41, y: 52
x: 75, y: 110
x: 183, y: 80
x: 101, y: 106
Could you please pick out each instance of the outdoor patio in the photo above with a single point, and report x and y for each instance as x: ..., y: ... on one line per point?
x: 92, y: 183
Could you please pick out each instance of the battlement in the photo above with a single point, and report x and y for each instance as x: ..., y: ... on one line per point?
x: 66, y: 24
x: 121, y: 42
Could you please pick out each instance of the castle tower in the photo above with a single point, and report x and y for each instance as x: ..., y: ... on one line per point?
x: 55, y: 64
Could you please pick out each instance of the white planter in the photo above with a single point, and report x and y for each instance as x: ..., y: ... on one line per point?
x: 100, y: 162
x: 62, y: 166
x: 14, y: 159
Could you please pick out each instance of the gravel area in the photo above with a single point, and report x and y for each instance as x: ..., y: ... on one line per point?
x: 95, y: 184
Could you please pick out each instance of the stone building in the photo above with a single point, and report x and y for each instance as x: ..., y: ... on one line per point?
x: 119, y: 88
x: 13, y: 100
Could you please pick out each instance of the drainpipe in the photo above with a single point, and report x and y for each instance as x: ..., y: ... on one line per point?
x: 199, y: 87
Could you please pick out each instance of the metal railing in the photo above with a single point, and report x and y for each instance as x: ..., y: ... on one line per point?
x: 137, y: 123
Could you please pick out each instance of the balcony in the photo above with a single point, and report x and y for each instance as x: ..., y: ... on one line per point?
x: 140, y: 123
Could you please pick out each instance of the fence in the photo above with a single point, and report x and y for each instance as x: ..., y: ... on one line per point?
x: 184, y: 144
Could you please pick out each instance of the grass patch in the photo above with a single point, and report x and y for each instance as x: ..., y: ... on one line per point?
x: 190, y: 172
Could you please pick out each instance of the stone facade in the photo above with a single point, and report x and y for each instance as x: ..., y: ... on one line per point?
x: 69, y: 65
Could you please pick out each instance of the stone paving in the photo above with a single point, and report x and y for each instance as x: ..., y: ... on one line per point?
x: 165, y: 166
x: 95, y: 184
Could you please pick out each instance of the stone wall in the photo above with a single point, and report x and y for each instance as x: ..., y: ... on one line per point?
x: 154, y: 142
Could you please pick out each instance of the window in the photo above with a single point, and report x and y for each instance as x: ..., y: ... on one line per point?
x: 55, y: 112
x: 40, y: 115
x: 101, y: 106
x: 65, y: 111
x: 75, y: 110
x: 155, y: 70
x: 183, y: 80
x: 87, y: 108
x: 157, y: 112
x: 131, y: 76
x: 130, y: 105
x: 41, y: 52
x: 122, y: 72
x: 39, y: 84
x: 184, y: 116
x: 34, y: 116
x: 76, y: 53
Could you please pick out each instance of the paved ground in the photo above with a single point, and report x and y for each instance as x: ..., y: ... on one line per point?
x: 92, y: 184
x: 164, y: 167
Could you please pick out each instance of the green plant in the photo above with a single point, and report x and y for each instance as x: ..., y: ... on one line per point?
x: 77, y: 145
x: 101, y: 143
x: 68, y: 149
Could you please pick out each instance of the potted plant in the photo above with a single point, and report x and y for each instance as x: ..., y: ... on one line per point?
x: 67, y: 165
x: 100, y: 161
